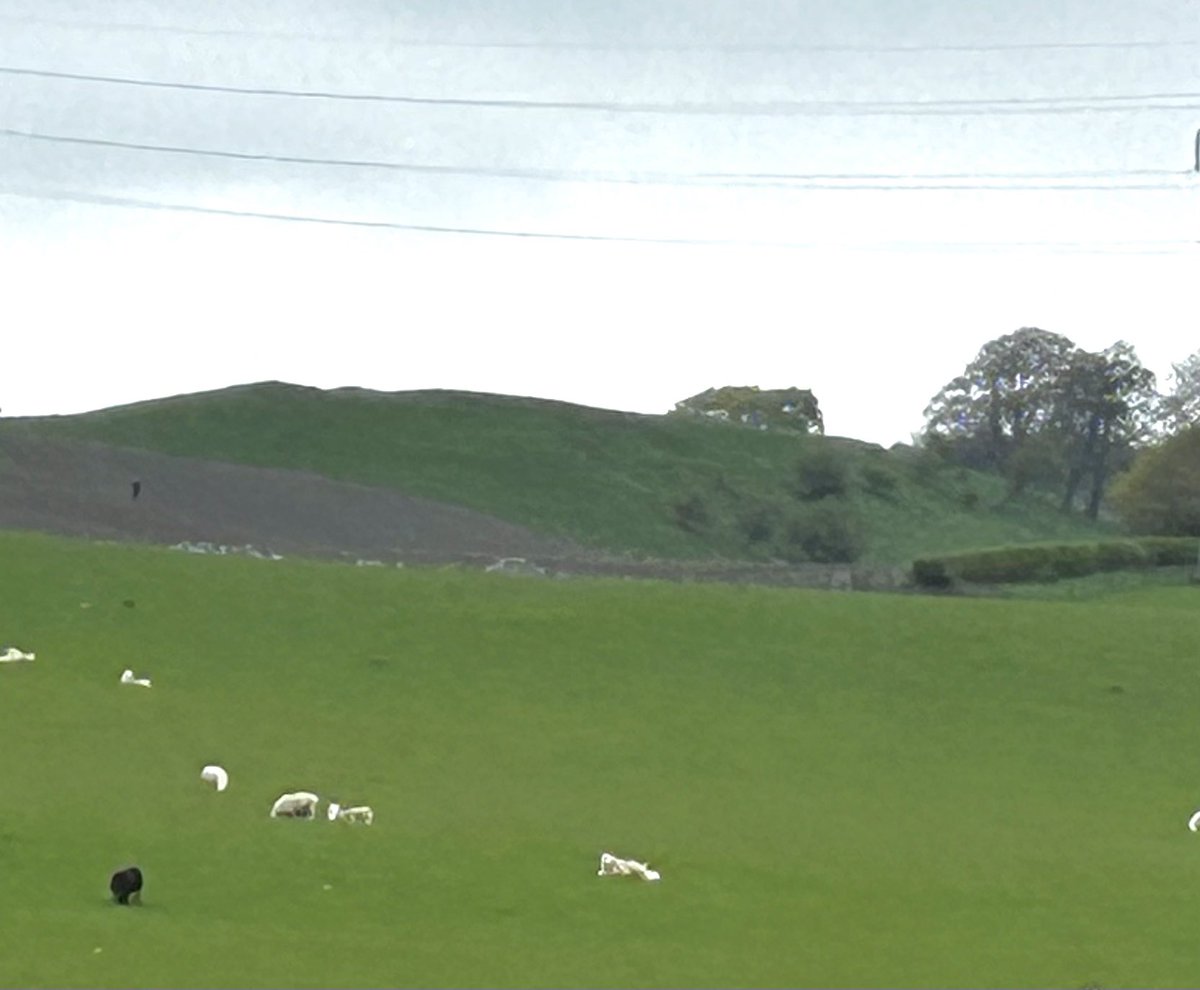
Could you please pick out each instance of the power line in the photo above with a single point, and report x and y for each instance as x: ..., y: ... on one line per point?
x: 624, y: 46
x: 960, y: 107
x: 97, y: 199
x: 798, y: 181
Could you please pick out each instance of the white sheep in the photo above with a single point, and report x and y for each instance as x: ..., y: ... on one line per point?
x: 611, y: 866
x: 11, y: 655
x: 216, y: 776
x: 358, y: 813
x: 300, y: 804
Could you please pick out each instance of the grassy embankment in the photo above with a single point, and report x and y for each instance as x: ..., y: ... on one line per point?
x: 652, y: 485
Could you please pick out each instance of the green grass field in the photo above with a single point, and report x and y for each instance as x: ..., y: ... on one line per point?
x: 840, y: 790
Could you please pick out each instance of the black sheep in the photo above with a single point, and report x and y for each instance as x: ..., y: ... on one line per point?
x: 125, y: 884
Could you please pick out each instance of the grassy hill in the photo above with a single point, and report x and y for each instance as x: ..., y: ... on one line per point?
x: 839, y: 790
x: 650, y: 485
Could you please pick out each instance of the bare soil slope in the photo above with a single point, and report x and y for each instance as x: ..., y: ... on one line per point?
x: 85, y: 489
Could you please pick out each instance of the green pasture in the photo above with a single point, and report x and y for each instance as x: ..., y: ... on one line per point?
x: 841, y: 790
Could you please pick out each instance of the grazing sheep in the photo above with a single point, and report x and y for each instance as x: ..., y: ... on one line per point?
x: 301, y: 804
x: 126, y: 884
x: 215, y: 775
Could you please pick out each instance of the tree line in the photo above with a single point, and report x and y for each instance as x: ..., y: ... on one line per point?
x: 1043, y: 412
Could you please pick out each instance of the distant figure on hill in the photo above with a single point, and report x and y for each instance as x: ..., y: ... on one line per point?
x: 125, y: 884
x: 137, y: 489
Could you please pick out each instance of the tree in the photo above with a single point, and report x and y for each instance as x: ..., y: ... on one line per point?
x: 1160, y: 494
x: 1036, y: 408
x: 1104, y: 407
x: 1181, y: 406
x: 792, y: 409
x: 988, y: 414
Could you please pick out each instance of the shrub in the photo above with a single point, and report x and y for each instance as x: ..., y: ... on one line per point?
x: 790, y: 546
x: 828, y: 532
x: 821, y: 473
x: 1160, y: 494
x: 1033, y: 562
x: 758, y: 522
x: 931, y: 572
x: 1170, y: 551
x: 1120, y: 555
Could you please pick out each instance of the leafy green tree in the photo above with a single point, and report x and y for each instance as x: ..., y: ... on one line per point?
x: 793, y: 409
x: 987, y: 415
x: 1104, y: 407
x: 1037, y: 461
x: 1038, y: 409
x: 1160, y: 494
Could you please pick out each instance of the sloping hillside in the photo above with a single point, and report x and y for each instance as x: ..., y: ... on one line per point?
x: 664, y: 486
x: 81, y: 488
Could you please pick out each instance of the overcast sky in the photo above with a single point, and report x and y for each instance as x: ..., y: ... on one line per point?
x: 710, y: 187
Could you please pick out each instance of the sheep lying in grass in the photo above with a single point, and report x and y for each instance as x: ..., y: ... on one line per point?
x: 10, y: 654
x: 358, y: 813
x: 611, y: 866
x: 301, y: 804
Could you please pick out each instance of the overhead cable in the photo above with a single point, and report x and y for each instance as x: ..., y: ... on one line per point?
x: 1123, y: 103
x: 731, y: 180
